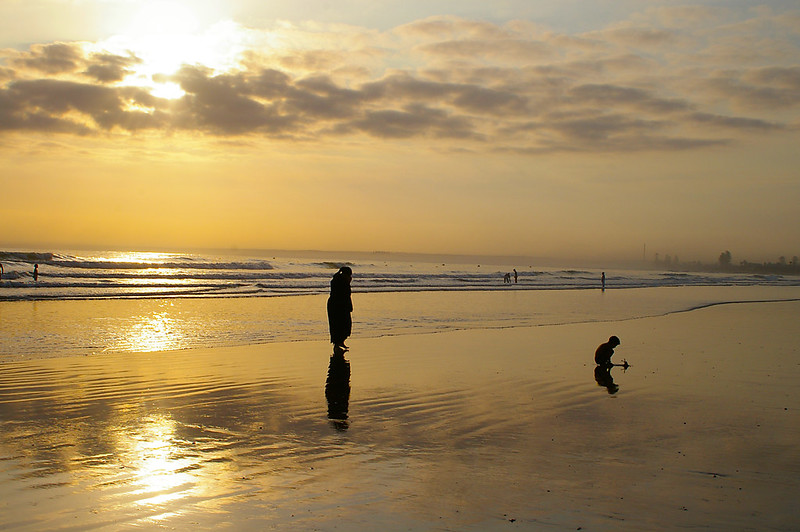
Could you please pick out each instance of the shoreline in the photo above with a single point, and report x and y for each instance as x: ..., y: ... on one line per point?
x: 91, y: 327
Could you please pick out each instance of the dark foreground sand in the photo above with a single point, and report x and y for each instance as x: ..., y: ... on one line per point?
x: 475, y: 430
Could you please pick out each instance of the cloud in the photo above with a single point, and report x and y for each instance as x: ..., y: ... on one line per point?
x: 109, y: 68
x: 222, y: 105
x: 511, y: 49
x: 414, y: 121
x: 683, y: 16
x: 55, y: 58
x: 763, y: 88
x: 612, y: 95
x: 729, y: 122
x: 71, y: 58
x: 513, y: 87
x: 66, y: 106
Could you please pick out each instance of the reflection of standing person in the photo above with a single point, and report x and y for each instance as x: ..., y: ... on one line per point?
x: 35, y: 272
x: 337, y: 390
x: 603, y: 280
x: 340, y: 305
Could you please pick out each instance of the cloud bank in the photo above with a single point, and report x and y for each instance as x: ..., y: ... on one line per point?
x: 667, y: 79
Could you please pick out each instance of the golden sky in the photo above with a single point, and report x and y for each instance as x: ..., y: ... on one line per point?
x: 566, y: 128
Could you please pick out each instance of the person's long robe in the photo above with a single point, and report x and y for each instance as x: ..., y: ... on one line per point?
x: 340, y: 305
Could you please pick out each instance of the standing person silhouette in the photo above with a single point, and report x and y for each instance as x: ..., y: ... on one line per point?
x: 35, y: 272
x: 340, y: 305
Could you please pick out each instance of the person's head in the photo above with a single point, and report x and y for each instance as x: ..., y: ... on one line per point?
x: 614, y: 341
x: 346, y: 271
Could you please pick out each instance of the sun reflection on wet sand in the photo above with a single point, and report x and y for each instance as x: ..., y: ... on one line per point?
x: 151, y: 332
x: 159, y: 463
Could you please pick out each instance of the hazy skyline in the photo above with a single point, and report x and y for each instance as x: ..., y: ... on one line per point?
x: 533, y: 128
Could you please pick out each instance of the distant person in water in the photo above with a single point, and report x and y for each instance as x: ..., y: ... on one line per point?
x: 603, y: 281
x: 340, y: 305
x: 604, y: 352
x: 515, y: 276
x: 1, y: 271
x: 35, y: 272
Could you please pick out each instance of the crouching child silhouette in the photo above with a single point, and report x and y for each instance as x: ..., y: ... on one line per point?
x: 604, y: 352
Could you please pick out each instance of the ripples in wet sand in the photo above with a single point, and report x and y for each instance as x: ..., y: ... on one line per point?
x: 470, y: 429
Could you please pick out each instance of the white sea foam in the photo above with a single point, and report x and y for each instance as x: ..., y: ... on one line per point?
x: 189, y: 301
x: 113, y: 275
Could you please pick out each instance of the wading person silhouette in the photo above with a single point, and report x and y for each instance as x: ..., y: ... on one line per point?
x: 340, y: 305
x: 35, y: 272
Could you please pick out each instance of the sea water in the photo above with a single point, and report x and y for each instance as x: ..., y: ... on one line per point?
x: 98, y: 302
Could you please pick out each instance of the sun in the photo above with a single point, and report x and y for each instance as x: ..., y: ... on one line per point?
x: 166, y: 35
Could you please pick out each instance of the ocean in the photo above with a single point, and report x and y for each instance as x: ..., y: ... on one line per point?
x: 96, y: 302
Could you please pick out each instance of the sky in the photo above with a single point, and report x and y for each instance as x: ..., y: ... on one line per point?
x: 564, y: 129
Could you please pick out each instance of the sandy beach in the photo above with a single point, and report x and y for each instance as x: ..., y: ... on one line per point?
x: 496, y: 429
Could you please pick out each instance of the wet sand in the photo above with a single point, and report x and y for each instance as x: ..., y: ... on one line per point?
x: 468, y: 430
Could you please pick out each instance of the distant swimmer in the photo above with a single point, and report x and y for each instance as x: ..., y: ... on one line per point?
x: 340, y: 305
x: 604, y: 352
x: 35, y: 272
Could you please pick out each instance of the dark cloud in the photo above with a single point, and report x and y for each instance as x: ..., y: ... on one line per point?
x: 788, y: 78
x: 53, y: 58
x: 66, y: 106
x: 605, y: 127
x: 413, y: 121
x: 647, y: 142
x: 223, y: 105
x: 774, y: 88
x: 63, y: 58
x: 616, y: 95
x: 109, y: 68
x: 320, y: 98
x: 735, y: 122
x: 472, y: 97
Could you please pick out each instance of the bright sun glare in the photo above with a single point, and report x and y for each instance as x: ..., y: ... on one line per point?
x: 168, y: 34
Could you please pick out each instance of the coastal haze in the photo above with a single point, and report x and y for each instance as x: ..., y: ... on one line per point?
x: 570, y: 130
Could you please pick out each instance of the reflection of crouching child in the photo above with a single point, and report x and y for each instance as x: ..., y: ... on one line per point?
x: 603, y: 354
